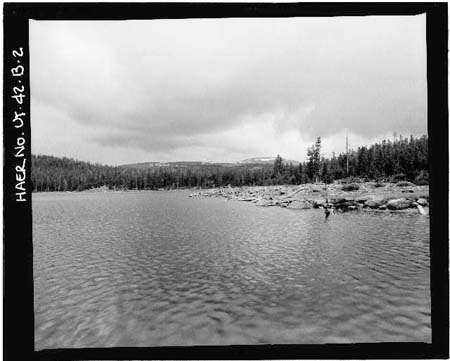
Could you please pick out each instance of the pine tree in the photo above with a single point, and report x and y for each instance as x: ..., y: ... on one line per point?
x: 277, y: 166
x: 314, y: 161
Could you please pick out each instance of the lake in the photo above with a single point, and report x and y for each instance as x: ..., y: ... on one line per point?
x: 160, y: 269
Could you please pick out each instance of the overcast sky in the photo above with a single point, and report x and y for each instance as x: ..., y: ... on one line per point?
x: 121, y: 92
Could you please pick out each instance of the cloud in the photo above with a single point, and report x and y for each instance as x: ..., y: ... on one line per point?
x: 229, y: 87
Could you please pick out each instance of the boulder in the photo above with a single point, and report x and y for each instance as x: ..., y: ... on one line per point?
x: 338, y: 200
x: 369, y: 185
x: 404, y: 184
x: 422, y: 201
x: 248, y: 199
x: 362, y: 199
x: 407, y: 191
x: 400, y: 203
x: 346, y: 205
x: 264, y: 203
x: 319, y: 202
x: 350, y: 187
x: 349, y: 198
x: 421, y: 210
x: 299, y: 205
x: 282, y: 202
x: 374, y: 203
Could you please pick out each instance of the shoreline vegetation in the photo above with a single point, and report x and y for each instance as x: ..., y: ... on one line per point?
x: 403, y: 159
x: 365, y: 196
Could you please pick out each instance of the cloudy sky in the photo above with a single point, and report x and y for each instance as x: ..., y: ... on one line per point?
x: 121, y: 92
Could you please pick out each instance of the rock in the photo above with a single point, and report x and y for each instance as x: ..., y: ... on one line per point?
x: 349, y: 203
x: 282, y: 202
x: 350, y: 187
x: 401, y: 199
x: 349, y: 199
x: 362, y: 199
x: 422, y: 201
x: 421, y: 210
x: 397, y: 204
x: 345, y: 206
x: 374, y: 203
x: 264, y: 203
x: 319, y: 202
x: 338, y: 200
x: 299, y: 205
x: 369, y: 185
x: 407, y: 190
x: 404, y: 184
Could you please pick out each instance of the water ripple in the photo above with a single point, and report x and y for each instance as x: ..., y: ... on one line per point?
x: 158, y: 268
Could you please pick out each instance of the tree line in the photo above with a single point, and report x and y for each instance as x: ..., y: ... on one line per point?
x: 401, y: 159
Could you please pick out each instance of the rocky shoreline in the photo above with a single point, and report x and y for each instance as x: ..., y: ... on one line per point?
x: 367, y: 196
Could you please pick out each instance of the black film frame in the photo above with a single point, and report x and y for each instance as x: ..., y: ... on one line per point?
x: 18, y: 305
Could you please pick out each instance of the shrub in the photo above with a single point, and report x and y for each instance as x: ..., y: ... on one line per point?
x: 350, y: 187
x: 351, y: 179
x: 398, y: 177
x: 422, y: 178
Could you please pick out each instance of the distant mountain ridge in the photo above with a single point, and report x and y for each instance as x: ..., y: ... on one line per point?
x: 187, y: 164
x: 257, y: 160
x: 180, y: 164
x: 266, y: 160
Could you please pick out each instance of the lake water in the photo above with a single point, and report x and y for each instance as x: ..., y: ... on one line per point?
x: 160, y: 268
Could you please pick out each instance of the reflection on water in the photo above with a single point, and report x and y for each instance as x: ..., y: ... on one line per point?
x: 159, y: 268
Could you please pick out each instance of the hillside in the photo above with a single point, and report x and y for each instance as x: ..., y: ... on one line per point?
x: 250, y: 162
x: 403, y: 159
